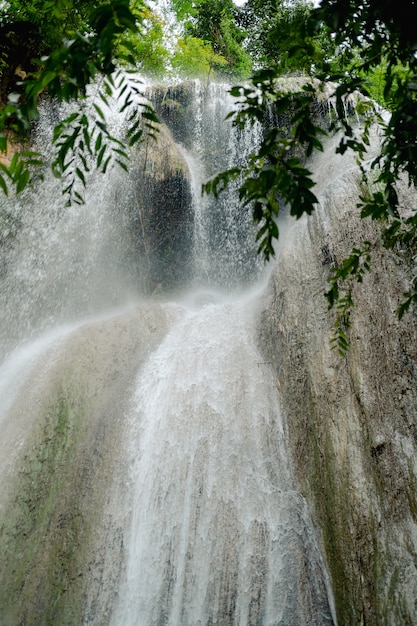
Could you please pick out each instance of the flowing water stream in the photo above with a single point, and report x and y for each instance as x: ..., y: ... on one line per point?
x: 219, y: 535
x: 176, y: 504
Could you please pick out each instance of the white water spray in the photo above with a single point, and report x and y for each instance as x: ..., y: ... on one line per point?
x: 219, y: 535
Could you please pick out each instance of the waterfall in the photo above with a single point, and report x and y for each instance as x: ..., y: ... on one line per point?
x: 145, y: 472
x: 61, y: 263
x: 224, y: 245
x: 219, y: 535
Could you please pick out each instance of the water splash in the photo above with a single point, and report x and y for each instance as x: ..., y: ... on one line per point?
x: 60, y: 264
x: 219, y: 535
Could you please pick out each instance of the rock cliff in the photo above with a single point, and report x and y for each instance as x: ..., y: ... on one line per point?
x: 352, y: 422
x: 63, y: 471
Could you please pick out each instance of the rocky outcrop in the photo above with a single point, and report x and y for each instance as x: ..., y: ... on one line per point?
x: 161, y: 213
x: 352, y: 422
x: 174, y: 105
x: 63, y: 468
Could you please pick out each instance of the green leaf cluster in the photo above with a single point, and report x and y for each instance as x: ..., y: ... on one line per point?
x: 17, y: 174
x: 342, y: 279
x: 149, y: 52
x: 275, y: 176
x: 367, y: 48
x: 215, y: 22
x: 65, y: 74
x: 84, y: 142
x: 74, y: 45
x: 195, y: 58
x: 277, y: 34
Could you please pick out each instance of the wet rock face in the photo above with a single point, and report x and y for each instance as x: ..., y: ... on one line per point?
x: 64, y: 475
x: 174, y: 105
x: 352, y: 422
x: 162, y: 217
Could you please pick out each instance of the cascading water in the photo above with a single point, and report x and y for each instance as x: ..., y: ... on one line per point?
x: 148, y: 481
x: 224, y: 243
x: 219, y: 536
x: 62, y: 263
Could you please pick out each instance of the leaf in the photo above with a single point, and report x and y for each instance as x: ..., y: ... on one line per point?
x: 78, y: 198
x: 13, y: 164
x: 121, y: 153
x: 128, y: 101
x: 80, y: 175
x: 122, y: 165
x: 106, y: 164
x: 135, y: 138
x: 99, y: 112
x: 84, y: 162
x: 3, y: 186
x: 101, y: 155
x: 22, y: 181
x: 132, y: 129
x: 46, y: 77
x: 98, y: 143
x: 104, y: 99
x: 403, y: 308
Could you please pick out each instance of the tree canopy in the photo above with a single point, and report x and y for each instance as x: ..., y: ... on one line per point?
x: 90, y: 44
x: 214, y: 21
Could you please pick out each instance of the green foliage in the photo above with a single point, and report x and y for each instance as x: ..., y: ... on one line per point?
x: 53, y: 19
x: 150, y: 54
x: 183, y: 9
x: 238, y: 61
x: 275, y: 176
x: 214, y: 21
x: 66, y: 46
x: 367, y: 48
x: 18, y: 173
x: 277, y: 35
x: 84, y: 142
x: 65, y: 74
x: 195, y: 58
x: 352, y: 270
x: 75, y: 45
